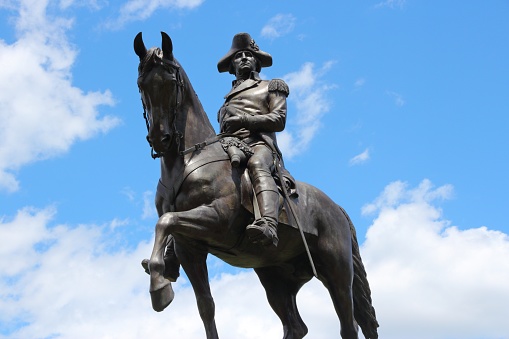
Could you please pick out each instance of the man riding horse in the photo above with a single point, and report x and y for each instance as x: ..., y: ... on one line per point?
x: 253, y: 111
x: 200, y: 196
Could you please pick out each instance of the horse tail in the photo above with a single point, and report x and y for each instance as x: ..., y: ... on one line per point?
x: 364, y: 312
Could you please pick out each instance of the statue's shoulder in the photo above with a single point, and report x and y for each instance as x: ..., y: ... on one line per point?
x: 279, y: 85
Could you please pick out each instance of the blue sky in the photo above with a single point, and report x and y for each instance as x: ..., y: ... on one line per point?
x: 398, y: 111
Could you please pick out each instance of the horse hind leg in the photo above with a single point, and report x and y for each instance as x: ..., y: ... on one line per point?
x: 338, y: 281
x: 281, y: 289
x: 335, y: 271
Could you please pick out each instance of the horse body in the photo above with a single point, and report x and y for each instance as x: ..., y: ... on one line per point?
x: 198, y: 201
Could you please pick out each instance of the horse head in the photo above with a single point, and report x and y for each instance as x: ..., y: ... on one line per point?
x: 161, y: 89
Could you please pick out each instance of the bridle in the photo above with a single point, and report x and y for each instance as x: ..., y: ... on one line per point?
x: 175, y: 135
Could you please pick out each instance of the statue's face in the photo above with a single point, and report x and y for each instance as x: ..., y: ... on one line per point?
x: 244, y: 63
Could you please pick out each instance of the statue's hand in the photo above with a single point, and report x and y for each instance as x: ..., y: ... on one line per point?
x: 233, y: 124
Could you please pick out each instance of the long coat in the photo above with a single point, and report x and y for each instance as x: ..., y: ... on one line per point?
x: 263, y: 103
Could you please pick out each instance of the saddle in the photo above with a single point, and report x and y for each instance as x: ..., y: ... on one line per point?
x: 248, y: 202
x: 239, y: 152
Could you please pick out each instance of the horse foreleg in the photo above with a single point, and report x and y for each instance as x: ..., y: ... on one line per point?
x: 161, y: 292
x: 281, y: 289
x: 193, y: 261
x: 199, y: 224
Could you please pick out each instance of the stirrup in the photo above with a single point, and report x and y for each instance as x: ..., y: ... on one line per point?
x: 263, y: 231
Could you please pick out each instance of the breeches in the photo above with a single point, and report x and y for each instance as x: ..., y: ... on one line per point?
x: 260, y: 167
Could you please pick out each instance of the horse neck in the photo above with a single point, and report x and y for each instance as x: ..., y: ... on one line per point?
x: 195, y: 126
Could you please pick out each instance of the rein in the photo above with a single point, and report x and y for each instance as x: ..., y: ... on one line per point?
x: 203, y: 144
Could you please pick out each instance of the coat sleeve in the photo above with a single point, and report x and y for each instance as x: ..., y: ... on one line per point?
x: 275, y: 119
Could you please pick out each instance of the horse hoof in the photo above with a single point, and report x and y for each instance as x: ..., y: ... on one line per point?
x: 161, y: 297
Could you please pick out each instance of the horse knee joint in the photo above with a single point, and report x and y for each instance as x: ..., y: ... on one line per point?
x: 165, y: 222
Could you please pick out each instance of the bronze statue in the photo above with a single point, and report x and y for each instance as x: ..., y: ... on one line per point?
x: 205, y: 203
x: 254, y: 110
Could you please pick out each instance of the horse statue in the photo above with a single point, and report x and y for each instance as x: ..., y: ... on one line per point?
x: 199, y: 202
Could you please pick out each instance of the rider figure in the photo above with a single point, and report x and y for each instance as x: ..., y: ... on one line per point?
x: 254, y: 110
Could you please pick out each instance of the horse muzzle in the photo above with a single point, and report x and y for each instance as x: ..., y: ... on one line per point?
x: 162, y: 143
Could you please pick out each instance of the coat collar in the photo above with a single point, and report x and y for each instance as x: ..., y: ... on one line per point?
x: 254, y: 79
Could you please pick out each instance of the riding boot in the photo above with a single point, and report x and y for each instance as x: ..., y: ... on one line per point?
x: 264, y: 229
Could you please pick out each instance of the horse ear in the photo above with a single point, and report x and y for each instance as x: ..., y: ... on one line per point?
x: 167, y: 46
x: 139, y: 46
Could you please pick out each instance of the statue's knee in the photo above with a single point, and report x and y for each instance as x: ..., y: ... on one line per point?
x: 258, y: 164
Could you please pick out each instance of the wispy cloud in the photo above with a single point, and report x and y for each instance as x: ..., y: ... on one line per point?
x: 55, y: 114
x: 279, y: 26
x: 308, y: 93
x: 149, y: 210
x: 360, y: 158
x: 391, y: 4
x: 91, y: 4
x: 398, y: 98
x: 129, y: 193
x: 359, y: 83
x: 115, y: 223
x: 139, y: 10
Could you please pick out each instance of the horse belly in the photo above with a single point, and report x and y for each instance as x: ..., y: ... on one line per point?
x: 250, y: 255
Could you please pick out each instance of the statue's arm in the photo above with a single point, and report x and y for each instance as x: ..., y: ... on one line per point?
x: 275, y: 119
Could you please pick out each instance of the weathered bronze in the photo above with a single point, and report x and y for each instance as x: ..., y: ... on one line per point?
x: 205, y: 203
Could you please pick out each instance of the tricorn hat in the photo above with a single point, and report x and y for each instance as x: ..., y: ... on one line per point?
x: 243, y: 42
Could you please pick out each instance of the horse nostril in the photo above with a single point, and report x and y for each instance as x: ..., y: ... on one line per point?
x: 149, y: 141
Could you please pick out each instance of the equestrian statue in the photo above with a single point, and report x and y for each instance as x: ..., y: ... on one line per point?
x: 230, y: 195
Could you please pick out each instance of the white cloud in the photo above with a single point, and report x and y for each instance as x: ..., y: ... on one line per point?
x: 360, y: 158
x: 397, y: 192
x: 430, y: 279
x: 139, y: 10
x: 66, y: 280
x: 309, y: 95
x: 41, y: 113
x: 74, y: 282
x: 279, y: 26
